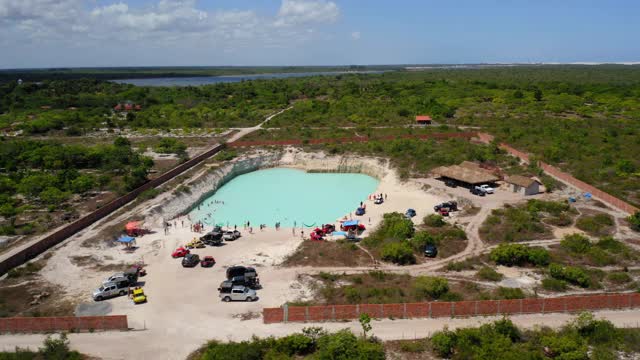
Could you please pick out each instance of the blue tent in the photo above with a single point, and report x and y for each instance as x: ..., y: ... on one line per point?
x: 587, y: 195
x: 126, y: 239
x: 351, y: 223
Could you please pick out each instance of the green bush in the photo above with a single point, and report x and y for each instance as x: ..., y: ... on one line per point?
x: 619, y: 277
x: 434, y: 220
x: 594, y: 224
x: 58, y: 349
x: 413, y: 346
x: 571, y: 274
x: 518, y: 254
x: 421, y: 239
x: 552, y: 284
x: 634, y: 221
x: 430, y: 287
x: 576, y: 243
x: 510, y: 293
x: 487, y: 273
x: 398, y: 253
x: 443, y: 343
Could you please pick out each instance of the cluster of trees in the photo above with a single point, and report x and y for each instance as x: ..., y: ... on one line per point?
x: 519, y: 255
x: 583, y: 338
x: 49, y: 173
x: 605, y: 251
x: 313, y: 343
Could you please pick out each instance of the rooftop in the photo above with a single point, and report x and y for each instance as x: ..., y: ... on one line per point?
x: 467, y: 172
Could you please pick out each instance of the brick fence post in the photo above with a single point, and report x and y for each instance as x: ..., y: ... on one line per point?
x: 333, y: 313
x: 429, y: 311
x: 285, y: 310
x: 404, y: 311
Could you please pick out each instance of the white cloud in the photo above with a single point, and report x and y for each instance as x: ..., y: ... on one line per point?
x: 355, y: 35
x: 161, y: 23
x: 294, y: 12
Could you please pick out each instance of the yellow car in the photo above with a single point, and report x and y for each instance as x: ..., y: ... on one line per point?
x: 195, y: 243
x: 138, y: 296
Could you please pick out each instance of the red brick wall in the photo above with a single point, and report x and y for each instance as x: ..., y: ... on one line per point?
x: 448, y: 309
x: 70, y: 323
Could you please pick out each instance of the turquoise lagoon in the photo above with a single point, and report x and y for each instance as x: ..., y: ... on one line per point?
x: 289, y: 196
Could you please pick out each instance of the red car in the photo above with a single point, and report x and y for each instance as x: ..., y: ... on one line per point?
x: 444, y: 211
x: 180, y: 252
x: 208, y: 261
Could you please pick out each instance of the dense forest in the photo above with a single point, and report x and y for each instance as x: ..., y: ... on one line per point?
x: 581, y: 118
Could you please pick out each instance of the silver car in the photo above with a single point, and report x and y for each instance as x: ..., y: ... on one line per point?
x: 238, y: 293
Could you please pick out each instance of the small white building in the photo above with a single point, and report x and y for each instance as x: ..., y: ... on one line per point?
x: 523, y: 185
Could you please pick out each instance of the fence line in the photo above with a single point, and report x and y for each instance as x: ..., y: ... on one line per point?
x: 57, y: 237
x: 437, y: 309
x: 65, y: 323
x: 436, y: 136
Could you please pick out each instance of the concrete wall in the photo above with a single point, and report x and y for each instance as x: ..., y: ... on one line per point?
x: 452, y: 309
x: 70, y: 323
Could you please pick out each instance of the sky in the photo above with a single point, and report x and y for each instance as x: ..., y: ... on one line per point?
x: 97, y: 33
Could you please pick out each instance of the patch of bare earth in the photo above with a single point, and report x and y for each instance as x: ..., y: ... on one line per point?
x: 327, y: 253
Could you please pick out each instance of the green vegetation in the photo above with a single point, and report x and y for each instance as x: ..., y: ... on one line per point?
x: 572, y: 274
x: 583, y: 338
x: 487, y: 273
x: 597, y: 225
x: 311, y: 343
x: 519, y: 255
x: 171, y: 146
x: 577, y: 248
x: 523, y: 222
x: 634, y: 221
x: 47, y: 174
x: 53, y: 349
x: 377, y: 287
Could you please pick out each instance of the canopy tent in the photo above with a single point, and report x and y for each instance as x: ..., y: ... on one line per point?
x: 351, y: 223
x: 126, y: 239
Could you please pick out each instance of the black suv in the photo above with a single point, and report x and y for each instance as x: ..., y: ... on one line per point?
x: 190, y: 260
x: 212, y: 238
x: 240, y: 275
x: 475, y: 191
x: 430, y: 251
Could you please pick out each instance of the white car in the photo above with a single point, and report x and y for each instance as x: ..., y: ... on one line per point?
x: 486, y: 188
x: 231, y: 235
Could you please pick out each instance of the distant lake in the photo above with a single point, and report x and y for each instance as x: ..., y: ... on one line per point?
x: 208, y: 80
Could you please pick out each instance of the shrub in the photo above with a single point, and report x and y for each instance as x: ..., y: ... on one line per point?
x: 416, y: 346
x: 434, y: 220
x: 344, y: 345
x: 619, y: 277
x: 572, y: 274
x: 594, y: 224
x: 510, y: 293
x: 552, y: 284
x: 459, y: 266
x: 443, y: 343
x: 576, y: 243
x: 58, y: 349
x: 487, y: 273
x: 634, y: 221
x: 428, y: 286
x: 518, y: 254
x: 398, y: 253
x: 422, y: 239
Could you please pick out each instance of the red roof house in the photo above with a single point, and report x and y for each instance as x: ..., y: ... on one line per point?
x: 117, y: 107
x: 423, y: 119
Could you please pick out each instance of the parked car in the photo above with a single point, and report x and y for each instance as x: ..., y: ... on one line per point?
x: 443, y: 211
x: 360, y: 211
x: 451, y: 205
x: 410, y: 213
x: 180, y: 252
x: 139, y: 296
x: 238, y: 293
x: 430, y: 251
x: 451, y: 183
x: 208, y: 261
x: 130, y: 277
x: 111, y: 289
x: 190, y: 260
x: 231, y: 235
x: 249, y: 274
x: 486, y: 188
x: 195, y: 243
x: 212, y: 238
x: 476, y: 191
x: 378, y: 200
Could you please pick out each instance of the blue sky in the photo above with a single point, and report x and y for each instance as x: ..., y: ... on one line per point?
x: 54, y: 33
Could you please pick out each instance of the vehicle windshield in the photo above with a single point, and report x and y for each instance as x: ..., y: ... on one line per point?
x: 101, y: 288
